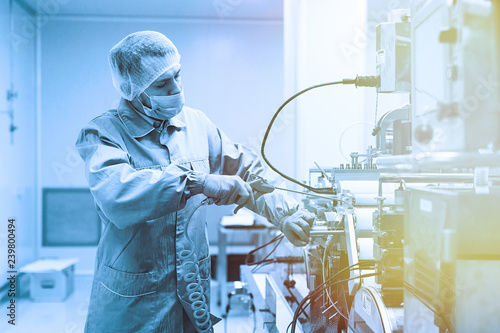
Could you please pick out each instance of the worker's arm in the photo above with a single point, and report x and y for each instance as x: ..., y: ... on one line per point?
x: 128, y: 196
x: 228, y: 158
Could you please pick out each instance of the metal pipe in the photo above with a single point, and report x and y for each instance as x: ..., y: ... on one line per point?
x: 321, y: 233
x: 329, y: 197
x: 421, y: 178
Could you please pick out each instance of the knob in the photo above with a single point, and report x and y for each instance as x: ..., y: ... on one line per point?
x: 449, y: 111
x: 384, y: 239
x: 424, y: 134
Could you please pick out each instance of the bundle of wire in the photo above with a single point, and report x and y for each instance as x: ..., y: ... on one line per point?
x: 266, y: 259
x: 359, y: 81
x: 366, y: 81
x: 328, y: 283
x: 327, y: 245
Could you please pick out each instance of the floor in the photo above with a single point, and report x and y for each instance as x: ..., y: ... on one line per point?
x: 69, y: 316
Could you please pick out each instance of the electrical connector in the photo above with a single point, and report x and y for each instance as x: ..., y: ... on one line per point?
x: 363, y: 81
x: 367, y: 81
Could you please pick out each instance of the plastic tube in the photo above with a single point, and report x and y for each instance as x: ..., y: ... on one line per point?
x: 190, y: 273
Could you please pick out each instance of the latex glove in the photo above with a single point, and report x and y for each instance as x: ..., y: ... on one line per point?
x: 296, y: 227
x: 257, y: 185
x: 227, y: 190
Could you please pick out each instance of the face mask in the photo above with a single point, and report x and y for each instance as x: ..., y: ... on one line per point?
x: 165, y: 107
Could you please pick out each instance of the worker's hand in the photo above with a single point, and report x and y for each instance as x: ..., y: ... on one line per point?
x: 227, y: 190
x: 297, y: 227
x: 257, y: 184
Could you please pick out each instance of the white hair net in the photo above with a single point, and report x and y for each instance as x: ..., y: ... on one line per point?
x: 139, y: 59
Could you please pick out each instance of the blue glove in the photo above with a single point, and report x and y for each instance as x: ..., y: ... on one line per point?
x: 297, y: 227
x: 227, y: 190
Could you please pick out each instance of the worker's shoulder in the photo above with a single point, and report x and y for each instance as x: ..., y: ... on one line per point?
x: 105, y: 117
x: 192, y: 115
x: 107, y: 123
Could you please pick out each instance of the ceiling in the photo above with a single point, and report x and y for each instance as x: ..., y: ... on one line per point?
x: 199, y: 9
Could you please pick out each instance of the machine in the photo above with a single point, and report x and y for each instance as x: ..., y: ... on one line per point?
x: 407, y: 235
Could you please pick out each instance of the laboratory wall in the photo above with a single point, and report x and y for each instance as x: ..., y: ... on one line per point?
x: 231, y: 69
x: 326, y: 41
x: 318, y: 38
x: 18, y: 149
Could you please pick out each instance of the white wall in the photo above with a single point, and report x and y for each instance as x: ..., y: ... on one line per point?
x: 232, y: 70
x: 18, y: 159
x: 6, y: 199
x: 318, y: 33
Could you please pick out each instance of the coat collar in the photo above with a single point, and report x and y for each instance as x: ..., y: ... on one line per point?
x: 138, y: 125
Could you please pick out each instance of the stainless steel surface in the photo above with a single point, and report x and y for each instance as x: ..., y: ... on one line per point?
x: 355, y: 174
x: 438, y: 160
x: 352, y: 252
x: 393, y: 57
x: 385, y: 136
x: 267, y: 322
x: 451, y: 250
x: 454, y: 91
x: 477, y: 305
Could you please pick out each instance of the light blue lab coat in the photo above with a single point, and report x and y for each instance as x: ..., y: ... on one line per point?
x: 146, y: 182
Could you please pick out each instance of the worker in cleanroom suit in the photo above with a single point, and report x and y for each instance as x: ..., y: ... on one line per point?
x: 149, y: 164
